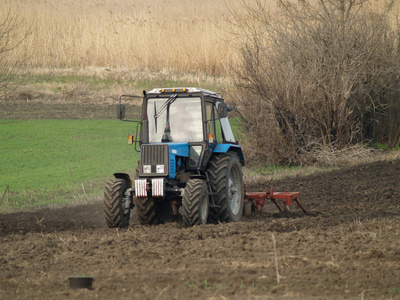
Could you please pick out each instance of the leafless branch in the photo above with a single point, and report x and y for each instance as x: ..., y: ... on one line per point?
x: 316, y: 75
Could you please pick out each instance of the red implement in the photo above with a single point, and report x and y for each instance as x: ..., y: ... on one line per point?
x: 258, y: 199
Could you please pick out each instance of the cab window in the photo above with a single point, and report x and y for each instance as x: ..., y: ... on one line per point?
x: 213, y: 123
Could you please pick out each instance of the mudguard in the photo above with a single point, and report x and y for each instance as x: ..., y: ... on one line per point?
x: 223, y: 148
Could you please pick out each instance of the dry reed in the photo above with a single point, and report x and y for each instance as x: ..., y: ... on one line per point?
x: 171, y: 36
x: 175, y: 35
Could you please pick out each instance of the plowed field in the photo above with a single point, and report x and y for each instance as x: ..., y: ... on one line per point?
x: 346, y: 246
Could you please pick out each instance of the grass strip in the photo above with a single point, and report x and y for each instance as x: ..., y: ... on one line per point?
x: 45, y: 160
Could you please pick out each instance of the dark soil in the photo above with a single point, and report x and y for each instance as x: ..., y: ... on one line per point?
x: 30, y: 105
x: 346, y: 246
x: 53, y: 109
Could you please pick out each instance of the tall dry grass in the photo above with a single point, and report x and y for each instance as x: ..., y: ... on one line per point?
x: 189, y: 36
x: 178, y: 35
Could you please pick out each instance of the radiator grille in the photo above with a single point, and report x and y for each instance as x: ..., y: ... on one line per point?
x: 154, y: 155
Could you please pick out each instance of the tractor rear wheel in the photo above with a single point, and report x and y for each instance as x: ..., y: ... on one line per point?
x: 113, y: 203
x: 195, y: 203
x: 225, y: 173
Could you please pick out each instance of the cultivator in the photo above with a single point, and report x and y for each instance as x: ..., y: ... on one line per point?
x: 255, y: 201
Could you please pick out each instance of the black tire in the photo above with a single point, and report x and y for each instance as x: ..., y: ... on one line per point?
x: 112, y: 203
x: 147, y: 211
x: 145, y: 207
x: 195, y: 203
x: 225, y: 174
x: 152, y: 211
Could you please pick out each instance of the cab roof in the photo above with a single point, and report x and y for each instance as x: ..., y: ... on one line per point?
x: 185, y: 90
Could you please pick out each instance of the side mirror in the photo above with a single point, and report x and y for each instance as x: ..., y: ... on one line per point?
x: 222, y: 110
x: 121, y: 111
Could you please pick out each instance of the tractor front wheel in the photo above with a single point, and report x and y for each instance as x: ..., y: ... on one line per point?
x: 114, y: 211
x: 195, y: 202
x: 147, y: 211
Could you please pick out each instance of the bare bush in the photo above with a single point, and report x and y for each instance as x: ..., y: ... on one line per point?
x: 317, y: 75
x: 12, y: 34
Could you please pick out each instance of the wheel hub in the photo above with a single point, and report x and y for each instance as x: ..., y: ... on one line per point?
x: 204, y: 208
x: 234, y: 197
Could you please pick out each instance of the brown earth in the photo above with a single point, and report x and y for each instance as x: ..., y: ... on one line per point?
x: 346, y: 246
x: 55, y: 109
x: 26, y: 104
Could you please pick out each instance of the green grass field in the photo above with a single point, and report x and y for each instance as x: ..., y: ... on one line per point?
x: 47, y: 161
x: 51, y: 161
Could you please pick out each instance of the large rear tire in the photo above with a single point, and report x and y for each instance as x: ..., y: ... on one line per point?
x: 225, y: 173
x: 195, y: 203
x: 113, y: 203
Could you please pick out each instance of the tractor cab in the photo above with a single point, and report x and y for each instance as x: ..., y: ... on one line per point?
x: 180, y: 130
x: 189, y: 122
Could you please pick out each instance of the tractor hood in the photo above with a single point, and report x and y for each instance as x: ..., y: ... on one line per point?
x: 161, y: 159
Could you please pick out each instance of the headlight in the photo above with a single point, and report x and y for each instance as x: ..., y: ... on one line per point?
x: 147, y: 169
x: 160, y: 168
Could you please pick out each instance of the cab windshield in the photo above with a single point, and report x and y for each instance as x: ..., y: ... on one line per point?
x: 179, y: 121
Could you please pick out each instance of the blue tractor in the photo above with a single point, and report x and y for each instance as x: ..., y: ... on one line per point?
x: 190, y: 162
